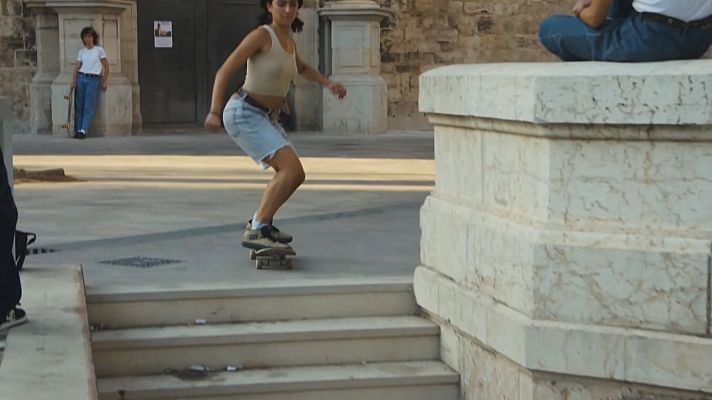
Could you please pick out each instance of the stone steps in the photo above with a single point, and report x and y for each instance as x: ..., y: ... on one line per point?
x: 328, y: 298
x: 265, y: 344
x: 421, y: 380
x: 311, y: 340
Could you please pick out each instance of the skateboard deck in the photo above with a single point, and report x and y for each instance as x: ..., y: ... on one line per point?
x: 70, y: 105
x: 273, y: 257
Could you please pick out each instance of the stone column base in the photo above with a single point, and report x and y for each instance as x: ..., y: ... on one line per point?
x: 41, y: 103
x: 363, y: 110
x: 113, y: 109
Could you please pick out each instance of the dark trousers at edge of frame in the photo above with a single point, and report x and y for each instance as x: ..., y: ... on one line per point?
x: 10, y: 288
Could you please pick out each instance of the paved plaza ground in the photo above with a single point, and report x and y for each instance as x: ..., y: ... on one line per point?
x: 182, y: 199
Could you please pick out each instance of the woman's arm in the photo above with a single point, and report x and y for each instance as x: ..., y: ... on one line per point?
x: 595, y: 14
x: 105, y: 74
x: 309, y: 73
x: 253, y: 43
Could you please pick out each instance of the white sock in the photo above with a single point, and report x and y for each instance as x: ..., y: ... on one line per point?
x: 256, y: 224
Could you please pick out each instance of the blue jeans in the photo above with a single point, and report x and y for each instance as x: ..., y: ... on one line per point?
x: 85, y: 96
x: 625, y: 36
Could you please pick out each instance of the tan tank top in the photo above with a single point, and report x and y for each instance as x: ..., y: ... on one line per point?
x: 270, y: 73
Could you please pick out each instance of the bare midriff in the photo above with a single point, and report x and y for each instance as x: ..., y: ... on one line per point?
x: 271, y: 102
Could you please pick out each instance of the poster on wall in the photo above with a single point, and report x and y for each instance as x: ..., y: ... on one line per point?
x: 163, y: 34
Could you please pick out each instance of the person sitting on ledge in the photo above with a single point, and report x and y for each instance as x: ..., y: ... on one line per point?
x: 630, y: 30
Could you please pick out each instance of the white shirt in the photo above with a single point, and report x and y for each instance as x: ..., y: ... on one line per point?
x: 686, y: 10
x: 91, y: 60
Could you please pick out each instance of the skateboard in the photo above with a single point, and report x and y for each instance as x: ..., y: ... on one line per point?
x: 273, y: 257
x: 70, y: 105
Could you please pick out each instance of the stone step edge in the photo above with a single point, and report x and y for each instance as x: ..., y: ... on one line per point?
x: 258, y: 289
x: 338, y: 377
x: 265, y: 332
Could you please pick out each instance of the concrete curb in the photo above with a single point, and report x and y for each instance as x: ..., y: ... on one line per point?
x: 50, y: 355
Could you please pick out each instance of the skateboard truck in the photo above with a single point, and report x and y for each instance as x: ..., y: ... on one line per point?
x: 273, y: 257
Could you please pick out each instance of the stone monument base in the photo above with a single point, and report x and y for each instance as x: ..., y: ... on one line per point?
x: 113, y: 115
x: 363, y: 110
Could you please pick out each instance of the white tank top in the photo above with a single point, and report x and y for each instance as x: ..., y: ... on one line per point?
x: 686, y: 10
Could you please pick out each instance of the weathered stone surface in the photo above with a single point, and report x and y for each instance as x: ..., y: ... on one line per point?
x: 483, y: 374
x: 566, y: 236
x: 425, y: 34
x: 559, y: 387
x: 668, y: 93
x: 632, y: 355
x: 17, y: 59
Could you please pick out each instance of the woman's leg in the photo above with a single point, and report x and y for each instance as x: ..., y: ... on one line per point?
x: 289, y: 176
x: 573, y: 40
x: 91, y: 95
x: 568, y: 37
x: 79, y: 91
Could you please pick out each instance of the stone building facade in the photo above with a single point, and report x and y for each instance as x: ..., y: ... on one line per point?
x: 18, y: 58
x: 421, y: 35
x: 430, y: 33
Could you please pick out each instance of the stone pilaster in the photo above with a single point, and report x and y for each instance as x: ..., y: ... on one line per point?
x: 114, y: 115
x: 353, y: 58
x: 569, y: 235
x: 307, y: 95
x: 47, y: 40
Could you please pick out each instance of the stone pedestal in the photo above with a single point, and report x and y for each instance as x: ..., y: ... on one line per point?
x: 47, y: 40
x: 307, y: 94
x: 114, y: 107
x: 6, y: 135
x: 566, y: 247
x: 353, y: 59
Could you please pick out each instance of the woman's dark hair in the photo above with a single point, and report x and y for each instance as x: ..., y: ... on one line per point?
x: 91, y: 30
x: 266, y: 17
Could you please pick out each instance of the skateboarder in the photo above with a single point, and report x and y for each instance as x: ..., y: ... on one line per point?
x: 90, y: 74
x: 250, y: 116
x: 630, y: 30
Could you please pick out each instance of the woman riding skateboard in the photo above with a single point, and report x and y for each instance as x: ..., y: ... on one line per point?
x: 250, y: 116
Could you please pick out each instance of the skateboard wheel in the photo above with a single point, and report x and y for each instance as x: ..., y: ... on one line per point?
x: 253, y: 255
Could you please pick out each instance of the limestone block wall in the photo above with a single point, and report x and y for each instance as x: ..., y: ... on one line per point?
x: 18, y: 59
x: 429, y: 33
x: 566, y: 249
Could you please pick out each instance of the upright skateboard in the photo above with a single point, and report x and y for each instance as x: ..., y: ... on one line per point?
x: 70, y: 105
x: 273, y: 257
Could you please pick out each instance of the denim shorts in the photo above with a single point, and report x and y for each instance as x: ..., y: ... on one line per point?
x: 257, y: 133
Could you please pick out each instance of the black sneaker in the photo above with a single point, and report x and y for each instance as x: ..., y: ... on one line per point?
x: 15, y: 317
x: 79, y: 136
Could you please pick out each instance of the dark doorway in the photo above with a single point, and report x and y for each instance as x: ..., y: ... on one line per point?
x: 176, y: 83
x: 167, y: 76
x: 230, y: 22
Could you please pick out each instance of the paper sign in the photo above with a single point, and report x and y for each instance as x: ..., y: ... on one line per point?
x: 163, y: 34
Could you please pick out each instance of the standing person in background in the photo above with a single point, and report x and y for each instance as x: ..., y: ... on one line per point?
x: 90, y: 74
x: 250, y: 115
x: 10, y: 289
x: 630, y: 30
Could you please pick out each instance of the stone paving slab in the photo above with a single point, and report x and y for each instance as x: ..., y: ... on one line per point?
x: 50, y: 353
